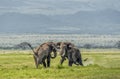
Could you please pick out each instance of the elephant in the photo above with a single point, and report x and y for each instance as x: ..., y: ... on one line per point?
x: 69, y: 51
x: 42, y: 53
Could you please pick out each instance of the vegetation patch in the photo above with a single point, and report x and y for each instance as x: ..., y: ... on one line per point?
x: 98, y: 66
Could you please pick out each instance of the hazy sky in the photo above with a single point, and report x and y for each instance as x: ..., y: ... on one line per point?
x: 56, y: 6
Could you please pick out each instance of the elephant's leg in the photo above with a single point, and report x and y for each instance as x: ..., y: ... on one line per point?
x: 62, y: 60
x: 70, y: 63
x: 44, y: 64
x: 35, y: 59
x: 37, y: 62
x: 80, y: 61
x: 70, y: 60
x: 48, y: 61
x: 74, y: 59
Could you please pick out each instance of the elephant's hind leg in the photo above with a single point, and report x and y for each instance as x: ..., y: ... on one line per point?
x: 35, y: 59
x: 44, y: 64
x: 80, y: 61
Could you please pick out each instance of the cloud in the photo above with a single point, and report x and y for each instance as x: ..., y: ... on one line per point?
x: 56, y: 7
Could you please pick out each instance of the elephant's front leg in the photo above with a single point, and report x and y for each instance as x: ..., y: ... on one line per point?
x: 48, y: 61
x: 62, y: 60
x: 70, y: 60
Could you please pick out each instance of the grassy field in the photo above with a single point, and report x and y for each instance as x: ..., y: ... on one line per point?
x: 101, y: 64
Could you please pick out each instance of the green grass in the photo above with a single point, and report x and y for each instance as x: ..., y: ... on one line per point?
x: 20, y: 65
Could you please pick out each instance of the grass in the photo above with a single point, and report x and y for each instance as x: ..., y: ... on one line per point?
x: 20, y: 65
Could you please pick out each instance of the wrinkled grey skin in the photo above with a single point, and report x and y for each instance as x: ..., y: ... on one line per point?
x: 68, y: 50
x: 42, y: 53
x: 76, y: 56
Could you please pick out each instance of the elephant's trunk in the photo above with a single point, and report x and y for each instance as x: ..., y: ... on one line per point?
x: 62, y: 52
x: 54, y: 50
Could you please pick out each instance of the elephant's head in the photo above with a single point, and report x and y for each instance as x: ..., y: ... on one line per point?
x: 53, y: 48
x: 64, y: 47
x: 58, y: 45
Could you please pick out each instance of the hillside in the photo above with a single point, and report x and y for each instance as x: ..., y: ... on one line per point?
x: 82, y: 22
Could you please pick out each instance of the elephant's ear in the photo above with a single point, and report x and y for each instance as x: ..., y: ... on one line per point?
x: 69, y: 46
x: 50, y: 46
x: 58, y: 44
x: 54, y: 47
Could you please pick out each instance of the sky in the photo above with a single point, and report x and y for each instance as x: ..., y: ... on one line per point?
x: 80, y: 15
x: 56, y: 7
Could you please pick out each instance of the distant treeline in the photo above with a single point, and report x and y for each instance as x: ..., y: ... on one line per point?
x: 87, y: 46
x: 81, y: 41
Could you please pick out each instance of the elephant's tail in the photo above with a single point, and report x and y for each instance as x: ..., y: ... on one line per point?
x: 85, y: 59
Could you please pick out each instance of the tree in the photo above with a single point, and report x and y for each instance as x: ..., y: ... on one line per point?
x: 118, y: 44
x: 87, y: 46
